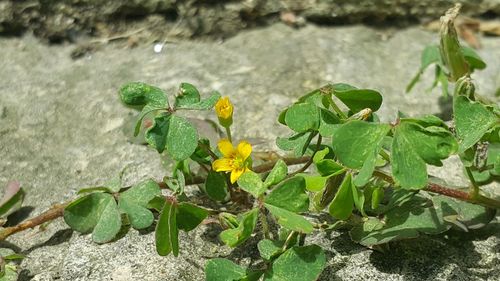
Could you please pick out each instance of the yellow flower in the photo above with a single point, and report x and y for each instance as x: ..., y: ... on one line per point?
x: 235, y: 160
x: 224, y: 110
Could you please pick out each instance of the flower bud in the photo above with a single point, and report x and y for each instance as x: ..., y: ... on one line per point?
x: 224, y: 111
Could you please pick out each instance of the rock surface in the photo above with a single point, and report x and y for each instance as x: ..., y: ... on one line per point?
x: 61, y: 129
x: 62, y: 20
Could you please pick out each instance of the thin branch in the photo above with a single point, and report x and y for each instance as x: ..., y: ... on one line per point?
x: 449, y: 192
x: 310, y: 161
x: 54, y: 212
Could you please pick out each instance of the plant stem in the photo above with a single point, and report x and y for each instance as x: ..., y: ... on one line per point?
x: 54, y: 212
x: 474, y: 187
x: 228, y: 133
x: 263, y: 218
x: 310, y: 161
x: 208, y: 150
x: 268, y: 166
x: 288, y: 240
x: 385, y: 155
x: 449, y: 192
x: 336, y: 108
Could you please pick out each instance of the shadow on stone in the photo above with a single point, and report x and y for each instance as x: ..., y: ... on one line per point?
x: 59, y: 237
x: 426, y: 256
x: 19, y: 216
x: 25, y: 275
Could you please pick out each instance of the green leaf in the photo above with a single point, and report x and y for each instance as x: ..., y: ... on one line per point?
x: 290, y: 195
x: 157, y: 203
x: 216, y: 186
x: 377, y: 196
x: 407, y: 221
x: 95, y: 212
x: 134, y: 202
x: 219, y: 269
x: 463, y: 214
x: 277, y: 174
x: 430, y: 55
x: 328, y: 122
x: 290, y: 220
x: 357, y: 99
x: 174, y: 133
x: 357, y: 145
x: 413, y: 146
x: 298, y: 143
x: 182, y: 138
x: 156, y: 135
x: 140, y: 94
x: 187, y: 95
x: 109, y: 223
x: 342, y: 204
x: 356, y: 141
x: 166, y: 233
x: 189, y: 216
x: 145, y: 111
x: 298, y: 264
x: 302, y: 117
x: 472, y: 58
x: 472, y: 121
x: 359, y: 199
x: 94, y: 189
x: 204, y: 104
x: 314, y: 183
x: 252, y: 183
x: 12, y: 199
x: 236, y: 236
x: 328, y: 167
x: 269, y: 249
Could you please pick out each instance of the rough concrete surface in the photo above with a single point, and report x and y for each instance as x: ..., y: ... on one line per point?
x: 66, y: 20
x: 61, y: 130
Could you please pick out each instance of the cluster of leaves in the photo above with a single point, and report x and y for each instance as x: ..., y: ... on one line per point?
x: 366, y: 174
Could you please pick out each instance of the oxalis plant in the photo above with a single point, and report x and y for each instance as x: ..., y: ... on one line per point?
x: 351, y: 171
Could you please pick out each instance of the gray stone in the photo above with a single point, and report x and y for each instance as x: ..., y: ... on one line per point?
x: 62, y: 131
x: 65, y: 20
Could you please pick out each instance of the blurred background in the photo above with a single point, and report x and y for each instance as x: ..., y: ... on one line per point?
x: 62, y: 126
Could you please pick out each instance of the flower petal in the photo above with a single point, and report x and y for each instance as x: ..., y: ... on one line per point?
x: 244, y: 149
x: 226, y: 148
x: 236, y: 173
x: 222, y: 165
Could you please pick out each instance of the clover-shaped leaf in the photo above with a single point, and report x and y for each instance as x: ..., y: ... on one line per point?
x: 188, y: 94
x: 472, y: 121
x: 297, y: 264
x: 289, y: 219
x: 252, y: 183
x: 357, y: 145
x: 413, y: 147
x: 216, y: 186
x: 219, y: 269
x: 297, y: 143
x: 342, y: 204
x: 189, y: 216
x: 175, y: 134
x: 302, y: 117
x: 290, y: 195
x: 97, y: 213
x: 134, y: 203
x: 277, y: 174
x: 142, y: 94
x: 357, y: 99
x: 413, y: 217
